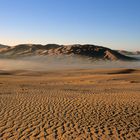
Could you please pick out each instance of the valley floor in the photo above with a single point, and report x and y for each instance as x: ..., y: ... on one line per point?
x: 70, y: 105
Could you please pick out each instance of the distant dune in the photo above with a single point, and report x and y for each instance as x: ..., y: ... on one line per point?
x: 124, y: 52
x: 92, y: 51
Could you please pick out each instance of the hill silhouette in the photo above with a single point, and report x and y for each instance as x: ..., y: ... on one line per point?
x: 92, y: 51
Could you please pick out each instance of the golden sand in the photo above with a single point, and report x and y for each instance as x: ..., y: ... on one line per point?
x: 70, y: 105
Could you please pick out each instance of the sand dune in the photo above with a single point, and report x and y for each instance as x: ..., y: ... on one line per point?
x: 70, y: 105
x: 124, y: 71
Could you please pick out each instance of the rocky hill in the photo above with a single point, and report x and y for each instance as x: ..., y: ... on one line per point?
x: 92, y: 51
x: 3, y: 46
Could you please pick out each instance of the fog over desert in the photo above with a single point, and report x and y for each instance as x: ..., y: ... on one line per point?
x: 69, y: 97
x: 69, y: 69
x: 43, y: 63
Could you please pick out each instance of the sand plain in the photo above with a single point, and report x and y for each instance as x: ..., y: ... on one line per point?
x: 70, y: 105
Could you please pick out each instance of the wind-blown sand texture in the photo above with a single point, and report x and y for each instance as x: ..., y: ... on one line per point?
x: 70, y: 105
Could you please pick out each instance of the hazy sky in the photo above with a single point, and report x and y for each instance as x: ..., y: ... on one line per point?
x: 110, y: 23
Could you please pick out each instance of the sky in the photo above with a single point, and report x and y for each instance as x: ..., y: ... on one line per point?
x: 110, y: 23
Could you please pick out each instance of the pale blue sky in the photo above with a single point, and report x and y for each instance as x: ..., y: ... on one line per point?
x: 110, y: 23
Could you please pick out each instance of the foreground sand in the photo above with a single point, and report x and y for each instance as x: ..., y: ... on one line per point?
x: 70, y: 104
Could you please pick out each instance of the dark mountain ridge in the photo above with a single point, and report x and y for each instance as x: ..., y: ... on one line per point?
x: 92, y: 51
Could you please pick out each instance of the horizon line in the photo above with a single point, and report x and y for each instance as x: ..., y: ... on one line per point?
x: 69, y: 44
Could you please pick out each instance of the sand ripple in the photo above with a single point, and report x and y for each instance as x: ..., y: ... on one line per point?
x: 47, y: 108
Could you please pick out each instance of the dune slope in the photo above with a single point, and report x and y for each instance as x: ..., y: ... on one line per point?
x: 70, y: 104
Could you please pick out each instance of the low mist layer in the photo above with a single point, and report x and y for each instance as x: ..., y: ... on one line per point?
x: 43, y: 63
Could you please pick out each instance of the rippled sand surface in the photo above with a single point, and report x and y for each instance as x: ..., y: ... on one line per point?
x: 70, y: 105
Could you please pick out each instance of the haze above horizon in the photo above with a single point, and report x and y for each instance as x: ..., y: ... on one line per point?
x: 110, y: 23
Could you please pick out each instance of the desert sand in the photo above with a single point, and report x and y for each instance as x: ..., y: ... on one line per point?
x: 70, y: 105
